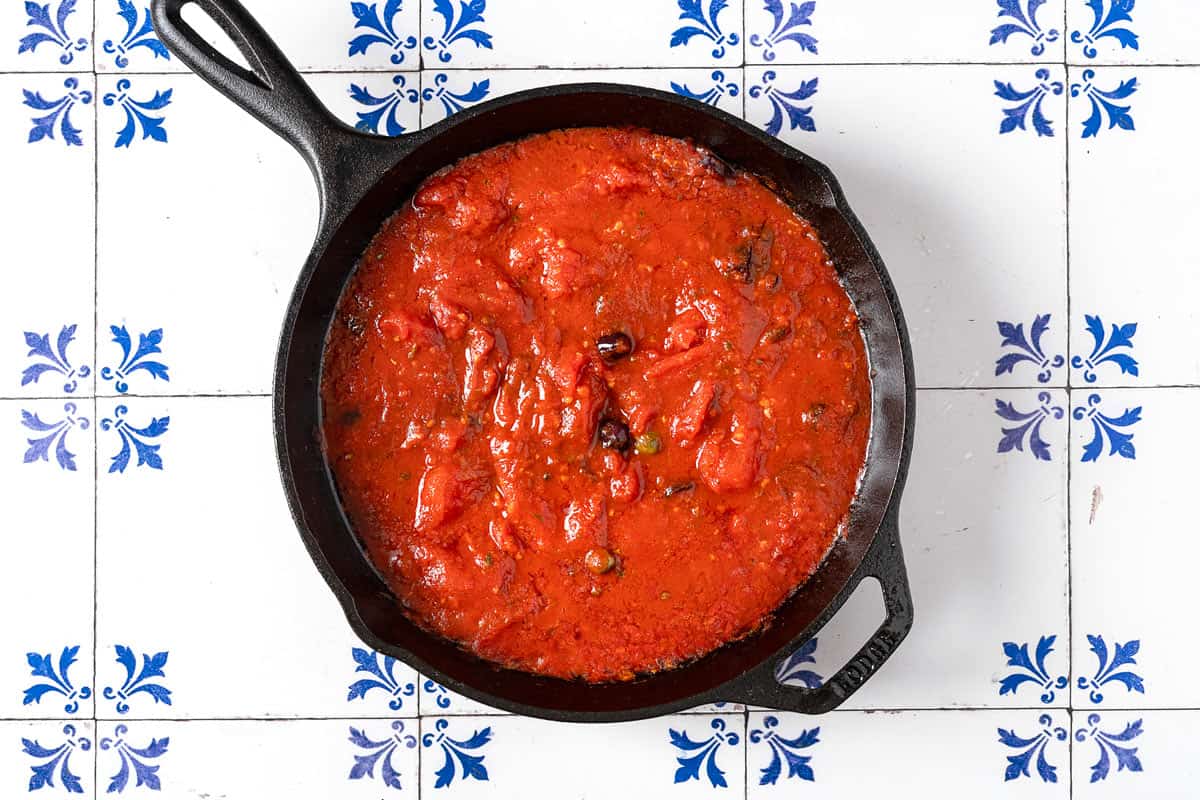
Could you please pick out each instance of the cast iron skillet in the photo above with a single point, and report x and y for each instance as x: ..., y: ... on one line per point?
x: 363, y: 179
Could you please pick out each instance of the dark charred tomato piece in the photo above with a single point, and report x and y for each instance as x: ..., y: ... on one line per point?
x: 598, y: 403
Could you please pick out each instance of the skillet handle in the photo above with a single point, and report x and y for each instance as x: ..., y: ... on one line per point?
x: 885, y: 562
x: 275, y: 94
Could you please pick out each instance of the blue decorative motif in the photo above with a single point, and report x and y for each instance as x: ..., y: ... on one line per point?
x: 469, y: 13
x: 55, y: 359
x: 1027, y: 349
x: 57, y: 681
x: 784, y: 750
x: 453, y: 101
x: 60, y: 113
x: 705, y: 25
x: 57, y: 761
x: 781, y: 31
x: 1106, y: 24
x: 135, y: 36
x: 381, y: 753
x: 1120, y: 443
x: 136, y: 114
x: 713, y: 94
x: 1028, y: 104
x: 792, y: 670
x: 1030, y: 426
x: 1121, y: 336
x: 384, y: 109
x: 134, y: 439
x: 152, y: 667
x: 1024, y: 24
x: 145, y: 774
x: 55, y: 433
x: 702, y: 753
x: 1106, y: 671
x: 1111, y: 743
x: 1118, y: 116
x: 383, y: 678
x: 441, y: 695
x: 1018, y: 764
x: 455, y: 749
x: 1031, y: 670
x: 53, y: 30
x: 135, y: 360
x: 785, y: 103
x: 383, y: 30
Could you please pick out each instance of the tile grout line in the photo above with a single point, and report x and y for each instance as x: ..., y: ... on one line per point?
x: 95, y: 413
x: 1070, y: 556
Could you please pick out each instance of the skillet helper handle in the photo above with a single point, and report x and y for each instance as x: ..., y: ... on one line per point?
x: 885, y: 562
x: 273, y: 92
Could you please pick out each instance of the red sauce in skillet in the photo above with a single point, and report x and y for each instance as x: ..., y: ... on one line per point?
x: 596, y: 403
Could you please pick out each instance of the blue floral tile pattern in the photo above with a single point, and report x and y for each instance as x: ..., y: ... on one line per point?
x: 440, y: 694
x: 1032, y: 749
x: 793, y: 670
x: 382, y: 677
x: 786, y: 103
x: 55, y: 762
x: 713, y: 94
x: 139, y: 681
x: 463, y: 25
x: 136, y: 36
x: 1028, y: 427
x: 1027, y: 349
x: 785, y: 750
x: 1111, y: 746
x: 1031, y: 670
x: 1107, y: 668
x: 1103, y: 105
x: 1027, y: 105
x: 135, y: 440
x: 138, y: 114
x: 453, y: 101
x: 1108, y: 17
x: 135, y: 762
x: 55, y: 680
x: 50, y: 28
x: 463, y: 758
x: 792, y: 27
x: 1103, y: 347
x: 1120, y: 442
x: 380, y: 753
x: 138, y: 360
x: 53, y: 434
x: 59, y: 114
x: 383, y: 109
x: 703, y: 753
x: 53, y: 359
x: 703, y: 21
x: 380, y: 30
x: 1020, y: 20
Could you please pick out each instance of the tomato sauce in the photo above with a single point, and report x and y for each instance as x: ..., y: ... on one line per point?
x: 596, y: 403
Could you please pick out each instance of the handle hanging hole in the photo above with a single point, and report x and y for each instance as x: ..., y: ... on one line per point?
x: 838, y: 642
x: 208, y: 29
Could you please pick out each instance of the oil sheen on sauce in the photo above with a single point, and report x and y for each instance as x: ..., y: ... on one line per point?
x: 595, y: 402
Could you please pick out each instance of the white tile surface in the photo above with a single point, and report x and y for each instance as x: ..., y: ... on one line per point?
x: 275, y: 760
x: 528, y: 33
x: 1132, y: 545
x: 46, y: 571
x: 881, y: 31
x: 1148, y: 754
x: 179, y: 228
x: 1147, y: 33
x: 49, y: 221
x: 1132, y: 210
x: 928, y: 186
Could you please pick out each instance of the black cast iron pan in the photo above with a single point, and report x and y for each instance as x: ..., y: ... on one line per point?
x: 363, y: 179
